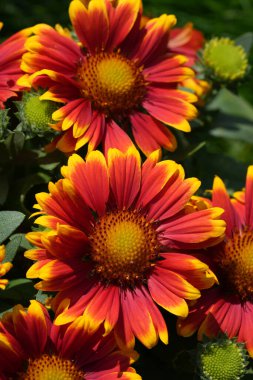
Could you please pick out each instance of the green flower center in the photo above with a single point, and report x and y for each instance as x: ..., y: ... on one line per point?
x: 39, y: 112
x: 222, y: 360
x: 227, y: 60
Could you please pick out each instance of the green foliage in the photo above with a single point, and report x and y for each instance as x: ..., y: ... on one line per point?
x: 9, y: 221
x: 4, y: 122
x: 16, y: 242
x: 18, y: 291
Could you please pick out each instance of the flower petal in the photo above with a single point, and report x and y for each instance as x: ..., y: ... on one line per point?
x: 169, y: 70
x: 115, y: 137
x: 249, y: 197
x: 169, y: 290
x: 150, y: 134
x: 154, y: 178
x: 196, y: 227
x: 188, y: 326
x: 125, y: 175
x: 220, y: 198
x: 82, y: 176
x: 174, y: 196
x: 86, y: 21
x: 171, y: 110
x: 121, y: 19
x: 155, y: 39
x: 139, y: 317
x: 246, y: 326
x: 103, y: 308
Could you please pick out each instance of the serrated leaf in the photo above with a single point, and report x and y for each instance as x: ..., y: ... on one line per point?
x: 9, y: 221
x: 246, y: 41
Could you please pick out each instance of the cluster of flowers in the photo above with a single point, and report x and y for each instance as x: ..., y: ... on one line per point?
x: 119, y: 238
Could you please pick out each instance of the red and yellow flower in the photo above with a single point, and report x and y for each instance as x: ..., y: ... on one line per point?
x: 32, y: 347
x: 186, y: 41
x: 189, y: 41
x: 116, y: 244
x: 4, y: 268
x: 11, y: 51
x: 228, y: 308
x: 121, y: 76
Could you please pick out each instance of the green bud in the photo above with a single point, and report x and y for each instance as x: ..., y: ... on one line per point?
x: 222, y: 359
x: 35, y: 115
x: 226, y: 60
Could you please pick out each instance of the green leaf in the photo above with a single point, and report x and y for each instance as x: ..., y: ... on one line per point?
x: 240, y: 151
x: 12, y: 248
x: 15, y: 142
x: 231, y: 104
x: 246, y: 41
x: 4, y: 121
x: 4, y: 154
x: 24, y: 243
x: 232, y: 127
x: 41, y: 297
x: 18, y: 141
x: 4, y: 187
x: 234, y: 119
x: 209, y: 164
x: 9, y: 221
x: 20, y: 290
x: 16, y: 241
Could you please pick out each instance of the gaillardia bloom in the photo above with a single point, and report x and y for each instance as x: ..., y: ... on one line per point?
x: 228, y: 308
x: 189, y: 41
x: 119, y: 74
x: 114, y: 248
x: 11, y: 51
x: 4, y: 268
x: 186, y: 41
x: 33, y: 348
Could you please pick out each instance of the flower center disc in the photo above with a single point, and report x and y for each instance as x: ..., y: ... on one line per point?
x: 235, y: 263
x: 52, y: 368
x: 228, y: 60
x: 111, y: 82
x: 124, y: 247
